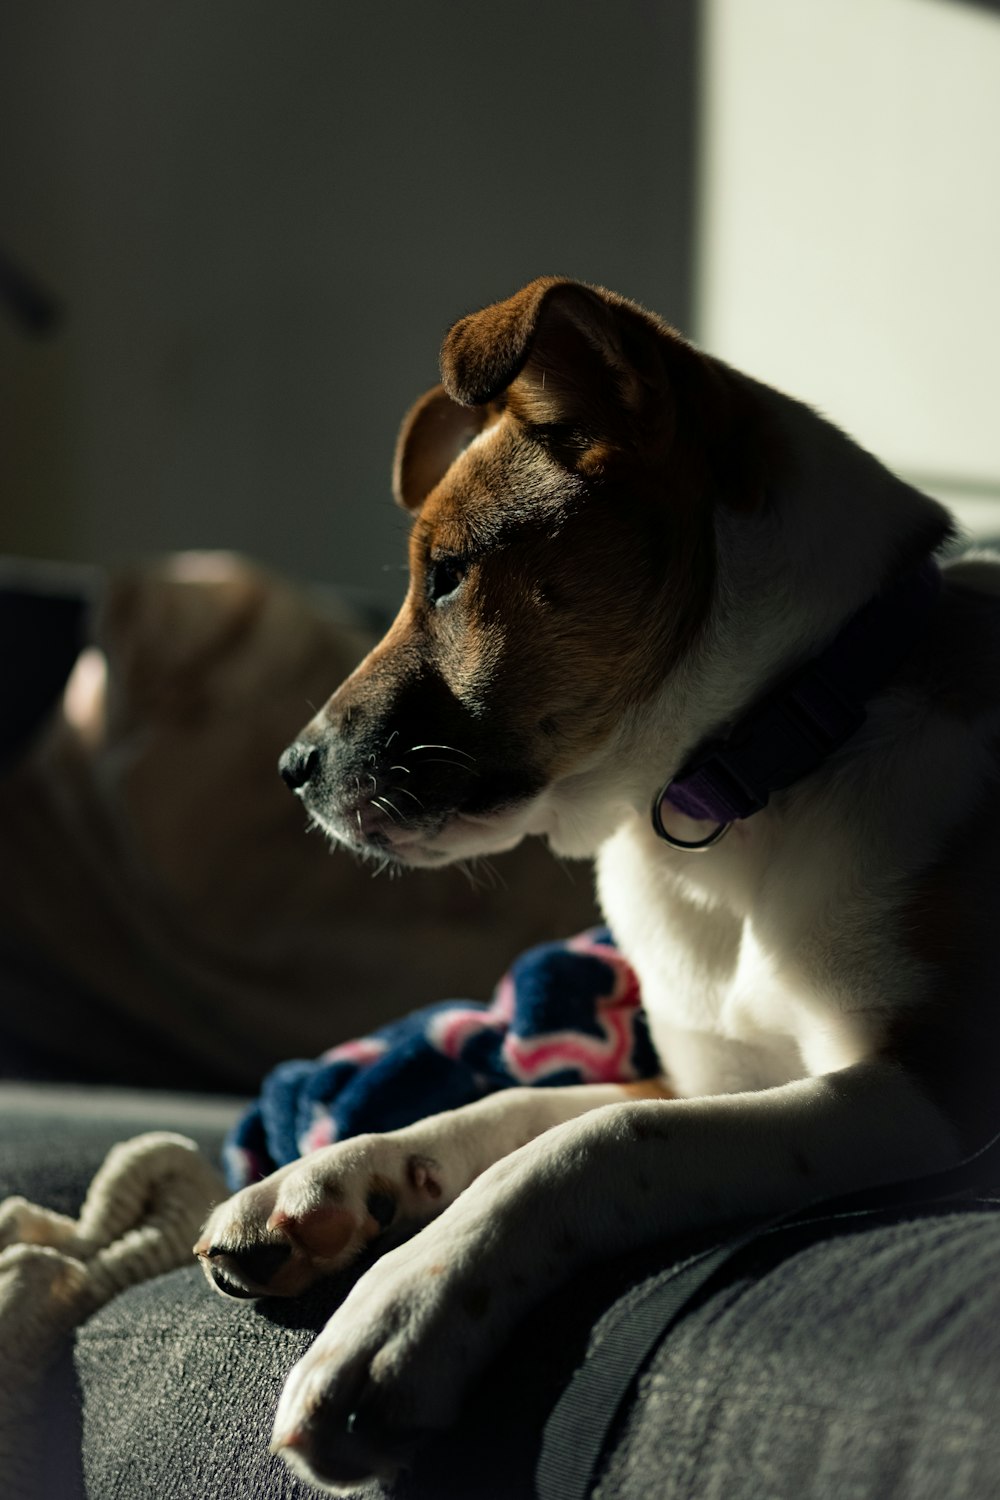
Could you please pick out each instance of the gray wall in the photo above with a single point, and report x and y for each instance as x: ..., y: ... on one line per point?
x: 262, y: 217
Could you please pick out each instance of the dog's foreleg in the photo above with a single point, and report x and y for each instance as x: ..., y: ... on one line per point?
x: 317, y: 1214
x: 455, y: 1147
x: 661, y: 1168
x: 407, y: 1341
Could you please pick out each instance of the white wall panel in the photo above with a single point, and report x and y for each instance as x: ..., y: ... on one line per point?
x: 850, y: 222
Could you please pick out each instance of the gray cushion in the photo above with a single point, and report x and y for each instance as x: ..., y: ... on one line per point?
x: 865, y: 1365
x: 179, y: 1389
x: 53, y: 1137
x: 862, y: 1365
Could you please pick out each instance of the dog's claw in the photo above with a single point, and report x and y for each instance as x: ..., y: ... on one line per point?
x: 382, y: 1207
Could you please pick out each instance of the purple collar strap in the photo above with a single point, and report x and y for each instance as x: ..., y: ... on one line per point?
x: 789, y: 733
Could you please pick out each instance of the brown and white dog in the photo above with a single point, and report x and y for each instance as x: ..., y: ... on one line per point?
x: 619, y: 545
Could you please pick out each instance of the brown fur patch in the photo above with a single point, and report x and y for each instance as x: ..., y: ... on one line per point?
x: 584, y: 540
x: 434, y: 433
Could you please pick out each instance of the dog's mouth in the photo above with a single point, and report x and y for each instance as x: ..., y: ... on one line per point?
x: 382, y: 828
x: 419, y: 804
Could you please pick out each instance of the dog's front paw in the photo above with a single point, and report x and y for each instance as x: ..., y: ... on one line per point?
x: 394, y: 1361
x: 315, y: 1216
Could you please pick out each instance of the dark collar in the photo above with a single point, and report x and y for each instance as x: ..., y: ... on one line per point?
x: 793, y: 729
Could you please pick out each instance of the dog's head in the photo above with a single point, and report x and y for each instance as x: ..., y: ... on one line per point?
x: 561, y: 563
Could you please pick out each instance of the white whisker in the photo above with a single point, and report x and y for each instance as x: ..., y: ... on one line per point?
x: 402, y: 791
x: 440, y: 760
x: 496, y: 880
x: 452, y: 748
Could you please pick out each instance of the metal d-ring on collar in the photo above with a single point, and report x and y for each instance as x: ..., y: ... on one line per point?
x: 793, y: 729
x: 689, y: 846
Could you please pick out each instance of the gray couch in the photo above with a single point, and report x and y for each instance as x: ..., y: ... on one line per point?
x: 857, y: 1356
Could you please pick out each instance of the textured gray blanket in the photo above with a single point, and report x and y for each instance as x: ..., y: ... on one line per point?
x: 863, y: 1364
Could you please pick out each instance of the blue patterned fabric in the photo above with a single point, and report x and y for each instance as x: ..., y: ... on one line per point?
x: 565, y: 1013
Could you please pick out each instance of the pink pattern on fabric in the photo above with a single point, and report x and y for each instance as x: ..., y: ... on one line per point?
x: 322, y: 1132
x: 604, y: 1059
x: 505, y: 998
x: 625, y: 990
x: 450, y: 1030
x: 364, y: 1050
x: 600, y: 1059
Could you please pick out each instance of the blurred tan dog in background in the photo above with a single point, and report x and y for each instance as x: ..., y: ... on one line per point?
x: 153, y: 865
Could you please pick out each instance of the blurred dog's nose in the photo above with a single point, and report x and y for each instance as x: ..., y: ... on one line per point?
x: 298, y: 765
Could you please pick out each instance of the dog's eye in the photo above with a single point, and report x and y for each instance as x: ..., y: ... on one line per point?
x: 444, y: 577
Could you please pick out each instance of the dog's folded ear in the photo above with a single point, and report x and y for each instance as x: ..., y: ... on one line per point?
x: 564, y: 357
x: 432, y: 436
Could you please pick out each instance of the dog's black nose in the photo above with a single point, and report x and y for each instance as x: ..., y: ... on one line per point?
x: 298, y: 765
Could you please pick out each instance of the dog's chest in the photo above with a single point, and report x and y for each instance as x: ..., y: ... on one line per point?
x: 700, y: 965
x: 704, y: 972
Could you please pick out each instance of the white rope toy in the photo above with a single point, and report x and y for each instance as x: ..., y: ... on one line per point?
x: 142, y: 1212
